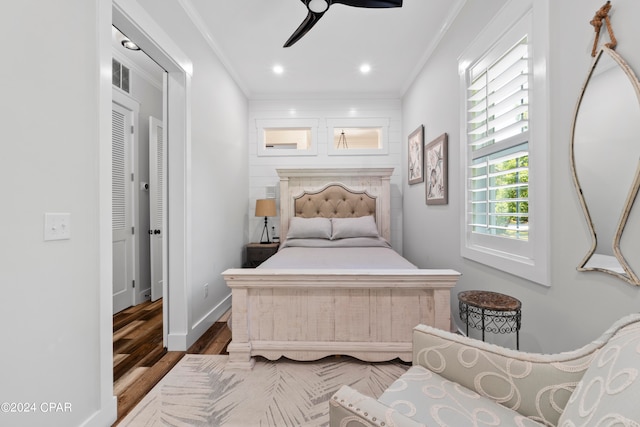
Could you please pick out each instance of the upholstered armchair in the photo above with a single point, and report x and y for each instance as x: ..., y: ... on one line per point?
x: 457, y: 381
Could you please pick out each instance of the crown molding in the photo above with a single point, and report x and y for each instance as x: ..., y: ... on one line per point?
x: 459, y: 4
x: 197, y: 20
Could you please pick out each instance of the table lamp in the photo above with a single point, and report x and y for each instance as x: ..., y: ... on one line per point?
x: 265, y: 208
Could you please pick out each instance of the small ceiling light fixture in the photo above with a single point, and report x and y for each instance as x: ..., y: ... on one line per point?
x: 278, y: 69
x: 130, y: 45
x: 365, y: 68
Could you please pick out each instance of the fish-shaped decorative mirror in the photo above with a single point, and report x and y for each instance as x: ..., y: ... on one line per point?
x: 605, y: 148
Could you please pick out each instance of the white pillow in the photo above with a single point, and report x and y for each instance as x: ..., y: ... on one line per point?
x: 364, y: 226
x: 309, y: 228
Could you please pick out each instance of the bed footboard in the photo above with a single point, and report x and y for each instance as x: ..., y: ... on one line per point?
x: 310, y: 314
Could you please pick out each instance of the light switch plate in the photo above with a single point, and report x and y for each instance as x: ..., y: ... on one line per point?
x: 57, y: 226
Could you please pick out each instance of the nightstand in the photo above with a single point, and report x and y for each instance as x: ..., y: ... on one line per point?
x: 257, y: 253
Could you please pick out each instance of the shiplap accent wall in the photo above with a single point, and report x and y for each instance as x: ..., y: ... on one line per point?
x: 262, y: 169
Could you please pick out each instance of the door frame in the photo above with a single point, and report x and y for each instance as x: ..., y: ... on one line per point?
x: 130, y: 17
x: 133, y: 20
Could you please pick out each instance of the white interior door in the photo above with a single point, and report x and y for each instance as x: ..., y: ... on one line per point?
x: 156, y: 204
x: 122, y: 215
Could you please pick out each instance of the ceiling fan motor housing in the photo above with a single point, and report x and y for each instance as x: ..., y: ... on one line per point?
x: 317, y: 8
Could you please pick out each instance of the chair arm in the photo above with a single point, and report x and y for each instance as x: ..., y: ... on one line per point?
x: 349, y: 408
x: 535, y: 385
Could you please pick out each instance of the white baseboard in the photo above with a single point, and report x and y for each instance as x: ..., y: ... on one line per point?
x: 182, y: 341
x: 201, y: 326
x: 177, y: 342
x: 105, y: 416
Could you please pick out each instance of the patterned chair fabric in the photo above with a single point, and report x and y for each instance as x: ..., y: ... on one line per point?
x: 608, y: 393
x: 450, y: 404
x: 458, y: 381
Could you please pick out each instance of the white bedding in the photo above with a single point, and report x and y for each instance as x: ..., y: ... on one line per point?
x: 353, y: 253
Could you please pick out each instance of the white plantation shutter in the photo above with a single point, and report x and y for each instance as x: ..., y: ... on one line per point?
x: 118, y: 171
x: 498, y: 139
x: 504, y: 152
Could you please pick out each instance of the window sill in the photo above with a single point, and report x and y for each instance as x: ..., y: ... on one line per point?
x: 526, y: 268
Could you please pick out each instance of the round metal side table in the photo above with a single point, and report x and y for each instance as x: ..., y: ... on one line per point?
x: 491, y: 312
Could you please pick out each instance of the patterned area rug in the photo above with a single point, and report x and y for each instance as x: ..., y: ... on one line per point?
x: 199, y: 391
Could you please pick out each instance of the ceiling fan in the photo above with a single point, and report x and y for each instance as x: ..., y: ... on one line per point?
x: 317, y: 8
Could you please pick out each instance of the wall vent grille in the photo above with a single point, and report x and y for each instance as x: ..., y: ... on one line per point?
x: 120, y: 75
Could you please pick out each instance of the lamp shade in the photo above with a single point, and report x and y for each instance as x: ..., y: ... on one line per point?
x: 266, y: 207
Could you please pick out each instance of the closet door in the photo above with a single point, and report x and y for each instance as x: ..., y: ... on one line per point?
x: 156, y: 203
x: 121, y: 199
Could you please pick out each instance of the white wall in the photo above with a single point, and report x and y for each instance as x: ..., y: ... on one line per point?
x: 218, y: 158
x: 55, y: 302
x: 50, y: 309
x: 578, y: 306
x: 262, y: 169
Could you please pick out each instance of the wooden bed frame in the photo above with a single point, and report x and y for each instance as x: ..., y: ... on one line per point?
x: 307, y: 314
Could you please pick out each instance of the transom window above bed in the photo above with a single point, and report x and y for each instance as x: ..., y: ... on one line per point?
x: 358, y: 136
x: 287, y: 137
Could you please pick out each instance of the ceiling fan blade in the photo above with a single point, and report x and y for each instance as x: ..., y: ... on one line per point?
x: 370, y: 3
x: 311, y: 20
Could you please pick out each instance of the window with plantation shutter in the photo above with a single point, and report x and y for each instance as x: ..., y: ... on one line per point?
x: 498, y: 139
x: 505, y: 209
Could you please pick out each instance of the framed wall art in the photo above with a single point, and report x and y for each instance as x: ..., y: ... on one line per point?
x: 436, y: 161
x: 415, y: 156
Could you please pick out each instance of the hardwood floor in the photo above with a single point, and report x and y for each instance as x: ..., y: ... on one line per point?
x: 139, y: 359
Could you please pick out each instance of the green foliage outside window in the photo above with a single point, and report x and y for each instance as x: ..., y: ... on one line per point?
x: 511, y: 206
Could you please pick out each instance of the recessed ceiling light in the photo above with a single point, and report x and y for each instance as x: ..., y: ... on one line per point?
x: 365, y: 68
x: 130, y: 45
x: 278, y: 69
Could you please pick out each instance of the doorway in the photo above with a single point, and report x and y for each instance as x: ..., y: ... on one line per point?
x: 131, y: 19
x: 138, y: 165
x: 138, y: 203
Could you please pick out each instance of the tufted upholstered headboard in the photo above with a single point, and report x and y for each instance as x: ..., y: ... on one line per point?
x: 334, y: 201
x: 336, y: 192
